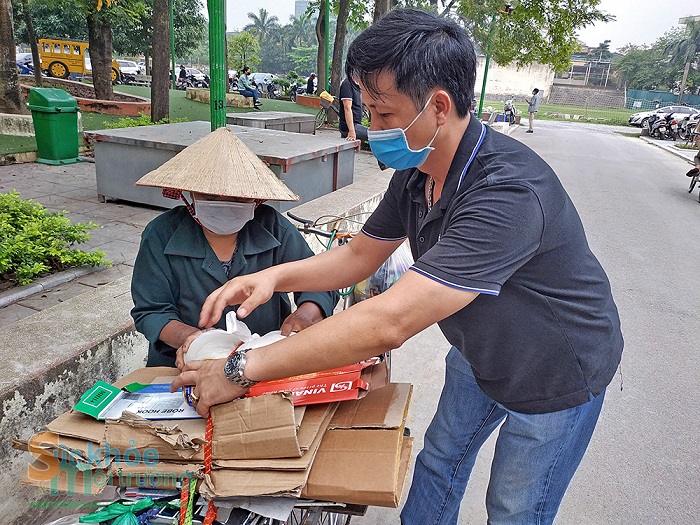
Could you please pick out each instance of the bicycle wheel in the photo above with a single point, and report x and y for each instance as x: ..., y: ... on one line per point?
x: 316, y: 516
x: 693, y: 182
x: 321, y: 117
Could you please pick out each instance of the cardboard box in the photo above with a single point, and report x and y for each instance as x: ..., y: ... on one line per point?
x: 364, y: 456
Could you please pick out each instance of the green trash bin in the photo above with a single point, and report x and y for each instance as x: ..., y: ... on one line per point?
x: 55, y: 117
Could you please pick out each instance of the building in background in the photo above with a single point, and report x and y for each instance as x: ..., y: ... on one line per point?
x: 300, y: 7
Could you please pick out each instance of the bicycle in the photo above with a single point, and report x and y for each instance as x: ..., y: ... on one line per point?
x: 322, y: 115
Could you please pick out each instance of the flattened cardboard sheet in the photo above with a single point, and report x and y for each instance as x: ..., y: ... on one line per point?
x: 83, y: 454
x: 253, y: 428
x: 165, y: 475
x: 229, y: 482
x: 360, y: 457
x: 180, y: 440
x: 310, y: 425
x: 77, y: 425
x: 47, y: 473
x: 385, y: 407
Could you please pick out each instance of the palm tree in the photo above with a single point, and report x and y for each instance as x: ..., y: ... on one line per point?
x: 686, y: 50
x: 301, y: 30
x: 262, y: 24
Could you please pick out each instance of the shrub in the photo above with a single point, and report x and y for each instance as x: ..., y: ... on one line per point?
x: 141, y: 120
x: 34, y: 242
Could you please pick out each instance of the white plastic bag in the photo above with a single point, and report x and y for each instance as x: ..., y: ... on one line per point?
x: 387, y: 274
x: 218, y: 344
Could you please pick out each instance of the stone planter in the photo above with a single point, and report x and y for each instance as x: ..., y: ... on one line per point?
x: 232, y: 99
x: 311, y: 102
x: 123, y: 105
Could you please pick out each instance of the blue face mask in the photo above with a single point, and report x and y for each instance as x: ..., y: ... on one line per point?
x: 390, y: 146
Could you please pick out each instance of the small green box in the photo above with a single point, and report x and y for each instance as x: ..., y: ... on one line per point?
x: 55, y: 117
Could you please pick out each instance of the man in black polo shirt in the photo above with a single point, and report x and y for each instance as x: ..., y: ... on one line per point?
x: 502, y: 265
x: 350, y: 116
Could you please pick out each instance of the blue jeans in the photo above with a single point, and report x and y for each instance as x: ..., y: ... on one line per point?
x: 535, y: 458
x: 250, y: 93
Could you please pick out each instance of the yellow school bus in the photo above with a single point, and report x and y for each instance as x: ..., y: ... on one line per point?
x: 60, y: 58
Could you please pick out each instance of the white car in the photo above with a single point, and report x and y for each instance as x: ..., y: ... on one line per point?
x: 262, y: 80
x: 679, y: 112
x: 24, y: 58
x: 127, y: 67
x: 196, y: 73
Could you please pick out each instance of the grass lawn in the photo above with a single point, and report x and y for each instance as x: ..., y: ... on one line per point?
x: 611, y: 116
x: 16, y: 144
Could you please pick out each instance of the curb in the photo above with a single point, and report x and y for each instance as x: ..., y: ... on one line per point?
x: 670, y: 149
x: 28, y: 156
x: 45, y: 283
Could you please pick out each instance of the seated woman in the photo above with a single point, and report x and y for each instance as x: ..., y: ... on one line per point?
x: 188, y: 252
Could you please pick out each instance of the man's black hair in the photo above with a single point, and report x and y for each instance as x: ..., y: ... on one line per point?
x: 422, y: 51
x: 535, y: 91
x: 245, y: 68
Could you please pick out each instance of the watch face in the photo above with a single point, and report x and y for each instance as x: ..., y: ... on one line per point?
x: 232, y: 365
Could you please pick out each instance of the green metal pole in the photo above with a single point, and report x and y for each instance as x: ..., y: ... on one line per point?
x: 327, y: 60
x: 217, y: 62
x: 483, y: 85
x: 172, y: 42
x: 492, y: 30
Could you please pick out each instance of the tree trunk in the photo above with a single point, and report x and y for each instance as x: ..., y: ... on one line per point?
x: 381, y: 7
x: 100, y: 40
x: 36, y: 60
x: 147, y: 58
x: 160, y: 78
x: 11, y: 100
x: 321, y: 55
x: 341, y: 31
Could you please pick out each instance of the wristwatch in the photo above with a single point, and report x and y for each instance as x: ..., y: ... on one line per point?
x: 235, y: 365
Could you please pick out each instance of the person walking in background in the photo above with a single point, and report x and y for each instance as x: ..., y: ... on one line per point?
x: 311, y: 84
x: 533, y: 104
x: 247, y: 89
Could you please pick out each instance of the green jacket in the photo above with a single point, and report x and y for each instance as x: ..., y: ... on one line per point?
x: 176, y: 269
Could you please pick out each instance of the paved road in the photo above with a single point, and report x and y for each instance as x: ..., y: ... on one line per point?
x: 643, y: 465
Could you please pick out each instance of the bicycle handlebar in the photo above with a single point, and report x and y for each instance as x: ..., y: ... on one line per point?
x: 307, y: 226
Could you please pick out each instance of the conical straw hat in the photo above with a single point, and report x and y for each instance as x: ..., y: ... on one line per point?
x: 219, y: 164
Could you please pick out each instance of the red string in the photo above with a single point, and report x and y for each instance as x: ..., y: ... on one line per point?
x: 208, y: 435
x: 184, y: 498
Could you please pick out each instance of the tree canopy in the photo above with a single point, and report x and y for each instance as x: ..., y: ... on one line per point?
x: 655, y: 67
x: 541, y: 31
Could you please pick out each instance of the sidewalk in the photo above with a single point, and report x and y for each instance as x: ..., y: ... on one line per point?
x: 73, y: 188
x: 687, y: 154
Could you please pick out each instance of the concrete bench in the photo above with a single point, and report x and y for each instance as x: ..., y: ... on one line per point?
x: 309, y: 165
x: 232, y: 99
x: 279, y: 120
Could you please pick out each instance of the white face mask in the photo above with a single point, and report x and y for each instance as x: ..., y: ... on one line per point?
x: 223, y: 217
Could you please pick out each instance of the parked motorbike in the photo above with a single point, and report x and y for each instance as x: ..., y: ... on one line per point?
x: 687, y: 126
x: 663, y: 127
x: 295, y: 89
x: 509, y: 111
x: 25, y: 69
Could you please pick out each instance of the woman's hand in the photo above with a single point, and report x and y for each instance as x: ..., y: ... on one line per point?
x: 307, y: 314
x: 182, y: 350
x: 211, y: 387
